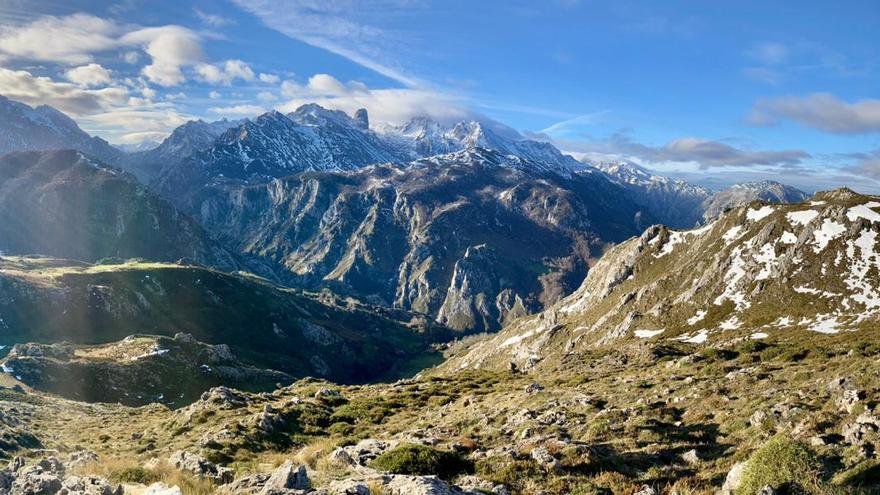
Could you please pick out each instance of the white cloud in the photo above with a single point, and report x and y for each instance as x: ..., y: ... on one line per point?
x: 137, y: 137
x: 171, y: 48
x: 269, y: 78
x: 769, y: 53
x: 266, y: 96
x: 238, y: 110
x: 214, y: 95
x: 89, y: 75
x: 70, y: 40
x: 344, y: 27
x: 821, y: 111
x: 384, y: 105
x: 225, y: 74
x: 131, y: 57
x: 697, y: 153
x: 70, y: 98
x: 212, y: 20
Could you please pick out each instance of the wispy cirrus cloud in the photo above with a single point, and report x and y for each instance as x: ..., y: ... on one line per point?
x: 347, y: 28
x: 821, y: 111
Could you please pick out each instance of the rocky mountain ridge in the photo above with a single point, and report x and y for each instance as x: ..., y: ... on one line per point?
x: 755, y: 272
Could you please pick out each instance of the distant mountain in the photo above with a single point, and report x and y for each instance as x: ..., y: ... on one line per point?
x: 184, y: 141
x: 313, y: 138
x: 758, y: 271
x: 23, y: 128
x: 673, y: 202
x: 145, y: 145
x: 741, y: 194
x: 471, y: 238
x: 68, y: 204
x: 679, y: 204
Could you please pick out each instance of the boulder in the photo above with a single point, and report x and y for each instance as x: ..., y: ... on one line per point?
x: 81, y: 458
x: 286, y: 477
x: 544, y: 458
x: 691, y: 456
x: 34, y: 480
x: 88, y: 485
x: 733, y: 479
x: 200, y: 466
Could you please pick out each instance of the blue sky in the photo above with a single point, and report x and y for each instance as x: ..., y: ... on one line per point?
x: 715, y: 92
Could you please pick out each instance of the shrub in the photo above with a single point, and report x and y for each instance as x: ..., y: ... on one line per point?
x: 135, y: 474
x: 715, y: 354
x: 783, y: 464
x: 422, y: 460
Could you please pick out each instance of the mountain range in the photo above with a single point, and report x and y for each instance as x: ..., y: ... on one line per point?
x: 423, y: 309
x: 423, y: 216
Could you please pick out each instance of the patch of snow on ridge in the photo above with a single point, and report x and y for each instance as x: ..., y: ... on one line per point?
x: 756, y: 215
x: 155, y: 352
x: 817, y: 203
x: 862, y: 211
x: 872, y: 204
x: 647, y: 334
x: 732, y: 277
x: 699, y: 338
x: 767, y: 257
x: 826, y: 324
x: 829, y: 231
x: 758, y: 335
x: 517, y: 338
x: 802, y: 217
x: 788, y: 238
x: 731, y: 323
x: 858, y: 280
x: 732, y: 234
x: 674, y: 238
x: 696, y: 318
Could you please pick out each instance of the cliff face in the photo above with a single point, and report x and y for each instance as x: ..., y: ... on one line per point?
x: 470, y: 238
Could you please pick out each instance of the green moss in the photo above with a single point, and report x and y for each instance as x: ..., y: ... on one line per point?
x: 783, y: 464
x: 422, y: 460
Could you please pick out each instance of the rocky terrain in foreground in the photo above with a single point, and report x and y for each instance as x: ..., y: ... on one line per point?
x: 641, y: 417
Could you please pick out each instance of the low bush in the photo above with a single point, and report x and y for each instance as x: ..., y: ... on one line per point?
x: 422, y: 460
x: 783, y: 464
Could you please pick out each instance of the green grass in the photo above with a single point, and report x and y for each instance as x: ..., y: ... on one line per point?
x: 422, y: 460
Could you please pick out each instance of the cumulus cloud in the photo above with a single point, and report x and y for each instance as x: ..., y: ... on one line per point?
x: 171, y: 48
x: 89, y: 75
x: 226, y: 73
x: 270, y: 78
x: 214, y: 95
x: 68, y: 97
x: 74, y: 40
x: 821, y: 111
x: 71, y: 39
